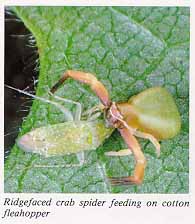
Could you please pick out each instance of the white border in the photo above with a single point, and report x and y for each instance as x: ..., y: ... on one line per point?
x: 2, y: 97
x: 105, y: 215
x: 100, y: 2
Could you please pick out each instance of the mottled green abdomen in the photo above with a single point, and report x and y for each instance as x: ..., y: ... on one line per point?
x: 65, y: 138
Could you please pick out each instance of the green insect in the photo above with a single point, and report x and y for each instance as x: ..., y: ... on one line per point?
x: 152, y: 114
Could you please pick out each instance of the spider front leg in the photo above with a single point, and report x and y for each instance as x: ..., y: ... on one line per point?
x: 89, y: 79
x: 134, y: 146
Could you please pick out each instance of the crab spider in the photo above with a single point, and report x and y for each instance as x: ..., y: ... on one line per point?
x: 152, y: 114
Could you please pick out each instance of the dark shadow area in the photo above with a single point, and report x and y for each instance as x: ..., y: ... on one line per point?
x: 21, y: 70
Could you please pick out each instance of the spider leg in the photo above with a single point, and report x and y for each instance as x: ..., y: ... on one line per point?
x: 151, y: 138
x: 122, y: 152
x: 86, y: 78
x: 139, y: 169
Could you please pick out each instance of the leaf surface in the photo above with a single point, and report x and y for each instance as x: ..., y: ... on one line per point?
x: 129, y: 49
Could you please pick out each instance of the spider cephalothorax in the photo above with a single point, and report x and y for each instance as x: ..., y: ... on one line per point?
x: 152, y: 114
x: 113, y: 116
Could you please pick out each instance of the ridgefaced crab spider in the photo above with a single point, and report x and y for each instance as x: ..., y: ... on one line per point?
x: 137, y: 117
x: 152, y: 115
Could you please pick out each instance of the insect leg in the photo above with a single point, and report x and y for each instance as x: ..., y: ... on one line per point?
x: 78, y: 106
x: 122, y: 152
x: 89, y: 79
x: 56, y: 166
x: 94, y: 112
x: 99, y: 107
x: 134, y: 146
x: 81, y: 158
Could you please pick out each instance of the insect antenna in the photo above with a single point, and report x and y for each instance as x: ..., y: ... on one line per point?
x: 67, y: 113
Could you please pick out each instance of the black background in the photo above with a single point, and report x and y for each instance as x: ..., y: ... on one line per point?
x: 20, y: 72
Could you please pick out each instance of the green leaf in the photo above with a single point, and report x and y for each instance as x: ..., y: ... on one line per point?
x: 129, y: 49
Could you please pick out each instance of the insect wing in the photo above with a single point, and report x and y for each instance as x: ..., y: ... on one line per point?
x: 65, y: 138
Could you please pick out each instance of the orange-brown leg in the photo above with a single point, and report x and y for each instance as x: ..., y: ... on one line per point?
x: 134, y: 146
x: 89, y: 79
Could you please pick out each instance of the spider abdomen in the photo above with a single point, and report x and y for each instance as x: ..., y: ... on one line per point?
x: 152, y: 111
